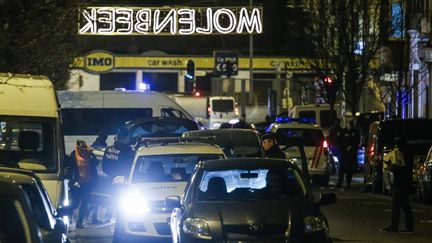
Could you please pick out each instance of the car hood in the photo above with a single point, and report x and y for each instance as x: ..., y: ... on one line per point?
x: 274, y: 219
x: 159, y: 191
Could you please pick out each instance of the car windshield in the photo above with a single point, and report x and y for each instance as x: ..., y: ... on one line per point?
x: 29, y: 140
x: 168, y: 167
x: 306, y: 137
x: 250, y: 184
x: 162, y: 128
x: 223, y: 105
x: 13, y: 224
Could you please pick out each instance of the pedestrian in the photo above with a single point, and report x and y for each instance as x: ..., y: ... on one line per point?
x: 85, y: 176
x: 349, y: 144
x: 402, y: 187
x: 242, y: 123
x: 117, y: 161
x: 271, y: 147
x: 335, y: 137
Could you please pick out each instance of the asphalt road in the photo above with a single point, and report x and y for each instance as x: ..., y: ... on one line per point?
x: 356, y: 217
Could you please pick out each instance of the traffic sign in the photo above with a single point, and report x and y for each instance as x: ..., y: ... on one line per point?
x: 222, y: 60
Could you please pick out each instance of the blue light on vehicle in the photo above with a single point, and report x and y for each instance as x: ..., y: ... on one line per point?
x: 144, y: 87
x: 290, y: 119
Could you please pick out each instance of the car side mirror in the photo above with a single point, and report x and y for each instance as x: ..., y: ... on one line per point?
x: 172, y: 202
x: 327, y: 198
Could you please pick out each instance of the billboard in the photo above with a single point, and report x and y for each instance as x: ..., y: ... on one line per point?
x: 169, y: 21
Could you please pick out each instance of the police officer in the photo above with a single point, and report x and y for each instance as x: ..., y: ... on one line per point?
x: 118, y: 158
x: 402, y: 187
x: 271, y: 147
x: 117, y: 161
x: 349, y: 144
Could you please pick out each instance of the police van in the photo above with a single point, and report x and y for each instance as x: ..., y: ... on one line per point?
x: 211, y: 111
x: 30, y: 131
x: 319, y: 113
x: 291, y: 131
x: 86, y: 114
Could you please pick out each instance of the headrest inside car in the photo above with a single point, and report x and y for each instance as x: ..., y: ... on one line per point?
x: 28, y: 140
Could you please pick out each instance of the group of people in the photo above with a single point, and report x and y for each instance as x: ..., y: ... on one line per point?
x: 116, y: 161
x: 344, y: 143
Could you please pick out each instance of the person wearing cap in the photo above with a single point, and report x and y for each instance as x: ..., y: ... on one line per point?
x: 271, y: 147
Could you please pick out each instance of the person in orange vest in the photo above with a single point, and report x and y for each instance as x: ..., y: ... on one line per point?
x: 84, y: 177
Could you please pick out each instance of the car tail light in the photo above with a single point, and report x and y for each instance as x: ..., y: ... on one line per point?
x: 209, y: 109
x: 325, y: 144
x: 372, y: 150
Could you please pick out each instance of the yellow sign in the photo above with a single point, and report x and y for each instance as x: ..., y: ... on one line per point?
x: 99, y: 62
x: 103, y: 61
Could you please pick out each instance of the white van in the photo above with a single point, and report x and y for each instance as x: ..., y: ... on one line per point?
x: 210, y: 111
x: 86, y: 114
x: 30, y: 131
x: 318, y: 113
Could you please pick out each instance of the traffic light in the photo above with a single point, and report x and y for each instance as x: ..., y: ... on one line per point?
x: 190, y: 70
x: 229, y: 69
x: 330, y: 88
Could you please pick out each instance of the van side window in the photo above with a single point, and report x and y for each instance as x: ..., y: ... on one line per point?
x: 170, y: 112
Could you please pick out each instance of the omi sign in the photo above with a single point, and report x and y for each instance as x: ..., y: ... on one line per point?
x: 169, y: 21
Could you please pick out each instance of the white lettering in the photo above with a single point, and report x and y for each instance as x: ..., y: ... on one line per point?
x: 172, y: 21
x: 170, y: 18
x: 143, y: 18
x: 107, y: 21
x: 190, y: 20
x: 124, y: 17
x: 209, y: 28
x: 90, y: 18
x: 232, y: 21
x: 254, y: 22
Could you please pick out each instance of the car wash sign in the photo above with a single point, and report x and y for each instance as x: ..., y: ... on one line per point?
x: 169, y: 21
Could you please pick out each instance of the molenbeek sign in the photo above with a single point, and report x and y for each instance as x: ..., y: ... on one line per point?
x: 169, y: 21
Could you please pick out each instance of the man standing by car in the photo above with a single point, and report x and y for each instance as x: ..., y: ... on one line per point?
x: 271, y: 147
x: 402, y: 185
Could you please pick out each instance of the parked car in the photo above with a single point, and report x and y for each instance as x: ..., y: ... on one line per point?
x: 382, y: 136
x: 53, y: 226
x: 315, y: 145
x: 17, y: 223
x: 424, y: 175
x: 162, y: 167
x: 248, y: 200
x: 234, y: 142
x: 364, y: 120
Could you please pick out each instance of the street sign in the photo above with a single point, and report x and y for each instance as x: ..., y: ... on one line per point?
x: 222, y: 58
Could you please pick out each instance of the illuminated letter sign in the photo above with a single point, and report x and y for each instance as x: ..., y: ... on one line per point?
x: 169, y: 21
x: 99, y: 62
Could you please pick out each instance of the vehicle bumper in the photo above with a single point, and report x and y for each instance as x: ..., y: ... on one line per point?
x: 151, y: 225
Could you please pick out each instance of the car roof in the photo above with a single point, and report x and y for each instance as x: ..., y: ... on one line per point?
x: 296, y: 125
x: 226, y: 136
x: 246, y: 163
x: 131, y: 123
x: 17, y: 176
x: 179, y: 148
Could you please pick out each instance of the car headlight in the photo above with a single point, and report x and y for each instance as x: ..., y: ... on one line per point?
x: 133, y: 203
x: 197, y: 226
x: 315, y: 224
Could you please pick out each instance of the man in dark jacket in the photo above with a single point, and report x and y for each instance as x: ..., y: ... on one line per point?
x: 402, y: 185
x: 271, y: 147
x: 349, y: 145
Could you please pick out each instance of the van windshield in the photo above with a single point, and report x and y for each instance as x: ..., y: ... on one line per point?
x: 30, y: 140
x: 223, y: 105
x: 90, y: 121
